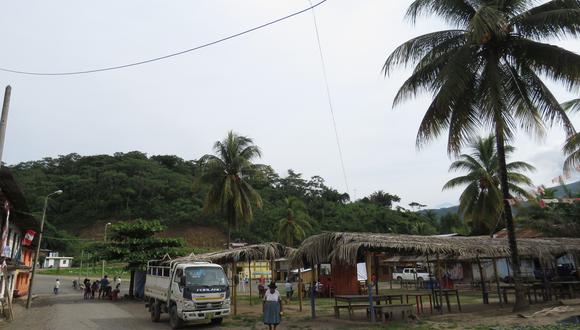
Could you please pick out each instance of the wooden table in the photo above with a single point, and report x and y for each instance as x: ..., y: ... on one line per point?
x: 361, y: 302
x: 419, y: 301
x: 445, y: 293
x: 569, y: 285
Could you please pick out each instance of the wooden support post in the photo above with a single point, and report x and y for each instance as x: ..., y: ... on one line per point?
x: 547, y: 291
x: 272, y: 270
x: 300, y: 287
x: 439, y: 268
x: 234, y: 287
x: 313, y: 291
x: 7, y: 300
x: 250, y: 279
x: 482, y: 279
x: 494, y: 260
x: 369, y: 260
x: 376, y: 264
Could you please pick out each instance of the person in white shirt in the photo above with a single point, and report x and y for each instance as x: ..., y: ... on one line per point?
x: 289, y: 289
x: 272, y: 306
x: 56, y: 286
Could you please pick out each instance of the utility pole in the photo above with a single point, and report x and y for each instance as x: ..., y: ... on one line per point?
x: 4, y: 118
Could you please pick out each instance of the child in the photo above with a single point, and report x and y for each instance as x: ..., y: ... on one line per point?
x: 94, y: 288
x: 56, y: 286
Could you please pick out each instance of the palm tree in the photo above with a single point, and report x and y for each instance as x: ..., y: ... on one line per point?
x: 572, y: 146
x: 481, y: 201
x: 229, y: 193
x: 292, y: 227
x: 485, y: 73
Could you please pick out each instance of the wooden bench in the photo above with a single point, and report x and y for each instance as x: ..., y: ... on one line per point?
x: 350, y: 308
x: 391, y: 310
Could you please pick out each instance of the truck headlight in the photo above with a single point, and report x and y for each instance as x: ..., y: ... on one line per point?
x: 226, y: 303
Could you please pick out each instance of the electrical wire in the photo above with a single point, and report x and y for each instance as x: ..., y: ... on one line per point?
x: 328, y: 95
x: 122, y: 66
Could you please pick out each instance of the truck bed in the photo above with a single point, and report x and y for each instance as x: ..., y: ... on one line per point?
x: 157, y: 286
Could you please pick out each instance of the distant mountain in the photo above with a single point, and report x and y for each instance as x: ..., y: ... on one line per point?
x: 560, y: 192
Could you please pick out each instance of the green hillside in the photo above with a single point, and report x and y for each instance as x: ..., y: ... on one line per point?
x: 124, y: 186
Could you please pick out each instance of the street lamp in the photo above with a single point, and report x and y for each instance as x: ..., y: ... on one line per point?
x: 103, y: 268
x: 29, y: 300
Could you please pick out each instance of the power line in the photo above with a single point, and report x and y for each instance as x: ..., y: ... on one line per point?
x: 122, y: 66
x: 328, y: 95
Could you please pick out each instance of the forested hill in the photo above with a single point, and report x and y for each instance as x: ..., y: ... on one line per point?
x: 132, y: 185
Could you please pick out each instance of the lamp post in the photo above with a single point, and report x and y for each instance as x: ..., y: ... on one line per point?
x: 29, y: 300
x: 105, y: 239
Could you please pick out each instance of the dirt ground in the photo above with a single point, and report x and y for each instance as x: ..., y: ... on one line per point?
x: 69, y: 311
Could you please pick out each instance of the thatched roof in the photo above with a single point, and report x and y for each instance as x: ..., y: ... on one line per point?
x: 348, y: 248
x: 265, y: 251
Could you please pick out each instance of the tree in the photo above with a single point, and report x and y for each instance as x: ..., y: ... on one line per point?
x: 485, y: 73
x: 481, y: 202
x: 572, y: 146
x: 292, y: 227
x: 133, y: 242
x: 230, y: 194
x: 382, y: 198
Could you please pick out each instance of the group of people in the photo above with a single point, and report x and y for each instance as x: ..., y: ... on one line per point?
x: 102, y: 288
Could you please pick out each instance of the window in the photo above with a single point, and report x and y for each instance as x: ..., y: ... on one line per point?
x: 178, y: 274
x: 166, y: 272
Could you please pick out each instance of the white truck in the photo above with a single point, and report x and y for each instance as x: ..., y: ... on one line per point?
x: 410, y: 274
x: 188, y: 291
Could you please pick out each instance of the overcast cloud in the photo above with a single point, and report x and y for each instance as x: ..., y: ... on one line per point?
x: 267, y: 85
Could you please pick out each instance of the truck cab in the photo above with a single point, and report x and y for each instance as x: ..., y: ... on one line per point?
x: 188, y: 291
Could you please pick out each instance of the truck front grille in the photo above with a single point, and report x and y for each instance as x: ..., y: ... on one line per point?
x: 208, y: 305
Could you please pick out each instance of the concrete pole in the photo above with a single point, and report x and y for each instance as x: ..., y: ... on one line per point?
x: 29, y: 299
x: 4, y: 118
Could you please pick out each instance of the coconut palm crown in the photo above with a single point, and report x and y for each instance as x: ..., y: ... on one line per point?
x: 291, y: 228
x: 487, y: 72
x: 480, y: 202
x: 572, y: 146
x: 229, y: 193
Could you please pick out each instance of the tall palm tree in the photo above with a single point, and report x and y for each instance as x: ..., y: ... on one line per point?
x: 481, y: 201
x: 292, y: 227
x: 572, y: 145
x: 229, y: 193
x: 486, y: 72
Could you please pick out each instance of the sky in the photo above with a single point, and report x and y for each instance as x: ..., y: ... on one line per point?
x: 267, y: 85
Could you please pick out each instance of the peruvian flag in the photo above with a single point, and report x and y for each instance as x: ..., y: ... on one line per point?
x: 28, y: 237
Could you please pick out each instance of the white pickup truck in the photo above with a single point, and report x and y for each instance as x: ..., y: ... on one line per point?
x: 188, y: 291
x: 410, y: 274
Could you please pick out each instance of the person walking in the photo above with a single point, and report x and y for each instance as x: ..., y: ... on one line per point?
x: 272, y: 307
x: 56, y: 286
x: 104, y: 290
x: 87, y: 289
x: 94, y: 288
x: 289, y: 289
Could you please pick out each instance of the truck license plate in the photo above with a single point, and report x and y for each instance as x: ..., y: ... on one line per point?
x: 209, y: 315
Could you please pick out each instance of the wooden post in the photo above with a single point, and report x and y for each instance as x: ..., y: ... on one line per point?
x: 300, y: 286
x: 369, y: 259
x: 376, y: 261
x: 313, y: 291
x: 439, y: 268
x: 482, y: 278
x: 273, y: 272
x: 10, y: 315
x: 234, y: 286
x: 250, y: 279
x: 547, y: 291
x: 494, y: 260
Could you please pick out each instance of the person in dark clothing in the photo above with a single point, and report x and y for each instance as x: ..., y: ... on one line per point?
x: 94, y: 288
x: 104, y: 291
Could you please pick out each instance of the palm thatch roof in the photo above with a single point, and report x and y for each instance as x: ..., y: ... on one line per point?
x: 349, y: 248
x: 265, y: 251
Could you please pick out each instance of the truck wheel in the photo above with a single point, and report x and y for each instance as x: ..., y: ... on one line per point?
x: 155, y: 311
x: 399, y: 278
x: 420, y: 279
x: 217, y: 321
x: 174, y: 319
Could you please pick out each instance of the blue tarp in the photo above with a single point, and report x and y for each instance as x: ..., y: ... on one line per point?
x: 139, y: 284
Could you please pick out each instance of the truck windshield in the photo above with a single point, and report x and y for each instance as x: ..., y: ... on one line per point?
x: 204, y: 276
